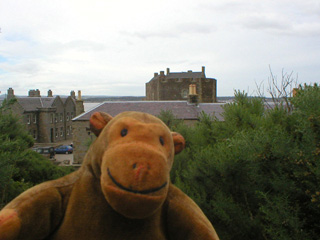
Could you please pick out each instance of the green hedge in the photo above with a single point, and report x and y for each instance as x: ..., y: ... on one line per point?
x: 257, y: 174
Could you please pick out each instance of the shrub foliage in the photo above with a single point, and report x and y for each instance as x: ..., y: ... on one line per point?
x: 257, y: 174
x: 20, y: 167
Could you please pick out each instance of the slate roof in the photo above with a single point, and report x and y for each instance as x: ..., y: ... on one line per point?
x: 34, y: 103
x: 181, y: 109
x: 30, y: 104
x: 175, y: 75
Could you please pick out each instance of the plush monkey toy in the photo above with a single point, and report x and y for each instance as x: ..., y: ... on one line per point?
x: 122, y: 190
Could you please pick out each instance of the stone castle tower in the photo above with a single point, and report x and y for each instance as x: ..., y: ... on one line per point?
x: 175, y: 86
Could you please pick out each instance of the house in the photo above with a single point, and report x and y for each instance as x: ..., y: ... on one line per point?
x: 187, y: 111
x: 48, y: 119
x: 175, y: 86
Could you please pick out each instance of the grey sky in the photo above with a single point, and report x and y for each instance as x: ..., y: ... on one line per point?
x: 113, y: 47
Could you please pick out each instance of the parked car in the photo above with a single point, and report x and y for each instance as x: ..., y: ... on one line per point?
x: 45, y: 151
x: 64, y: 149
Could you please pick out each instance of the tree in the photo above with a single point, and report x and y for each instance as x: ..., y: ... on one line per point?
x: 169, y: 119
x: 280, y: 90
x: 20, y: 167
x: 256, y: 175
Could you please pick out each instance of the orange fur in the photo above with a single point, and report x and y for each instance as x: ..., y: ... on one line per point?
x: 122, y: 190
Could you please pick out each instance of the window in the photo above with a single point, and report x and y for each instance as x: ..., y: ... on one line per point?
x: 35, y: 134
x: 34, y: 118
x: 70, y: 130
x: 67, y: 116
x: 71, y: 115
x: 56, y: 117
x: 61, y: 131
x: 184, y: 93
x: 28, y: 119
x: 57, y: 133
x: 67, y: 132
x: 61, y: 117
x: 51, y: 118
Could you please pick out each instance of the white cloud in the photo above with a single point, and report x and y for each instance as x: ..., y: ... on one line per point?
x: 113, y: 47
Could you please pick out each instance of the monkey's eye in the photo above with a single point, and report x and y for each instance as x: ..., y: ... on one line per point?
x: 124, y: 132
x: 161, y: 141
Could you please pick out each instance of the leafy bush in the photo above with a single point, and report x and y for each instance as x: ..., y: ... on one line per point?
x: 20, y: 167
x: 257, y: 174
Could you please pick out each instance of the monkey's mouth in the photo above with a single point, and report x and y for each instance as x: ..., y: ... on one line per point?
x: 132, y: 190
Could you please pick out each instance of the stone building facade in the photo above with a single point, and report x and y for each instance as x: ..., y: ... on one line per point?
x: 175, y: 86
x: 48, y: 119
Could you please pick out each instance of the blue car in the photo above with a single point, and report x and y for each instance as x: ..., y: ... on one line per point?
x: 66, y: 149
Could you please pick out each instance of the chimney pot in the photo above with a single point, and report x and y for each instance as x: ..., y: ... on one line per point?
x: 155, y: 74
x: 79, y: 94
x: 168, y: 71
x: 10, y: 93
x: 73, y: 94
x: 203, y: 69
x: 161, y: 73
x: 193, y: 97
x: 37, y: 93
x: 192, y: 89
x: 50, y: 93
x: 31, y: 93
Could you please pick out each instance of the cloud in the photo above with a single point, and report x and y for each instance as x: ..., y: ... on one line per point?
x: 265, y: 22
x: 276, y: 24
x: 114, y: 47
x: 28, y: 68
x: 176, y: 31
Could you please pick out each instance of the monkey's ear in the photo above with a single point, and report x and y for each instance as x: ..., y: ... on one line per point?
x: 98, y: 121
x: 178, y: 141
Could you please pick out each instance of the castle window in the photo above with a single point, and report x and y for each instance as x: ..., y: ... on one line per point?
x: 28, y: 119
x: 34, y: 118
x: 184, y: 93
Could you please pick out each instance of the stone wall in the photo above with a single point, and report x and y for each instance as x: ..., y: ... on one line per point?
x: 46, y: 125
x: 208, y: 90
x: 82, y: 137
x: 162, y: 88
x: 152, y: 91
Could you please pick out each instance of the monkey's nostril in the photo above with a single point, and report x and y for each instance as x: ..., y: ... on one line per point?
x: 134, y: 165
